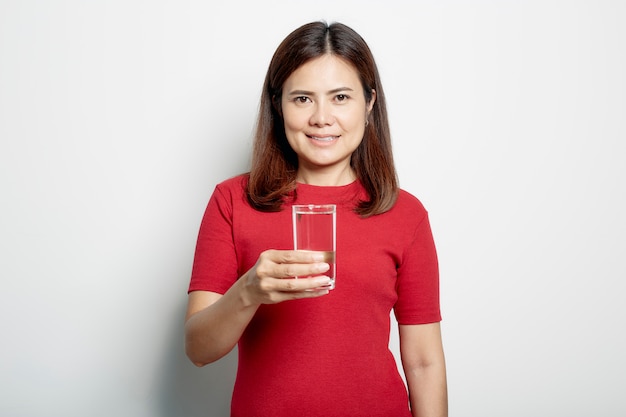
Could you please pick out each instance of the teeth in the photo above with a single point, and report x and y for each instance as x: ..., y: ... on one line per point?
x: 326, y: 139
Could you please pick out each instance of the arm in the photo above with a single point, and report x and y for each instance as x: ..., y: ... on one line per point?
x: 421, y: 350
x: 214, y: 322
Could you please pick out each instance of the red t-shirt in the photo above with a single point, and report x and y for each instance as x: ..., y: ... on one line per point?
x: 327, y: 356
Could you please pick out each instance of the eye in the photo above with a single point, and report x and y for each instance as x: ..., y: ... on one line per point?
x: 301, y: 99
x: 341, y: 97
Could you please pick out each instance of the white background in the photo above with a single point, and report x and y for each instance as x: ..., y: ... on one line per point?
x: 117, y: 119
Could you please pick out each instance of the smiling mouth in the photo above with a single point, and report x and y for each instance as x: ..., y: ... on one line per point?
x: 324, y: 138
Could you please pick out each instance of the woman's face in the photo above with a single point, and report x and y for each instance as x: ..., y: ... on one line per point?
x: 324, y: 110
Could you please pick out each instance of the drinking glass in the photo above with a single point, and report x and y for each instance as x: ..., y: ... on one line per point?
x: 314, y: 229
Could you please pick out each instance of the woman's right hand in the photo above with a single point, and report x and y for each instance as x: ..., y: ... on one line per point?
x: 214, y: 322
x: 271, y: 280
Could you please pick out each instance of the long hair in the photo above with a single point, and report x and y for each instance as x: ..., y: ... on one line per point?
x: 274, y: 163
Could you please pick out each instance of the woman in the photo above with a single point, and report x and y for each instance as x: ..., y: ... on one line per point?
x: 322, y: 137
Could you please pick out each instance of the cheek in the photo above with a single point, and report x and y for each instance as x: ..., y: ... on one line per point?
x: 291, y: 130
x: 354, y: 120
x: 293, y: 120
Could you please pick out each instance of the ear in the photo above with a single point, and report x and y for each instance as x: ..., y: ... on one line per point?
x: 370, y: 104
x: 277, y: 105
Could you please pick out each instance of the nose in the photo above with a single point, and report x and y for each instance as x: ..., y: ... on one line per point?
x: 322, y: 115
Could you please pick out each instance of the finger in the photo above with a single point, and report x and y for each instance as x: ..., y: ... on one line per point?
x: 278, y: 297
x: 316, y: 292
x: 302, y: 284
x: 266, y: 269
x: 300, y: 270
x: 294, y: 256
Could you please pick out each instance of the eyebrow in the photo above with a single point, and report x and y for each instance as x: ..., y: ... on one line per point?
x: 311, y: 93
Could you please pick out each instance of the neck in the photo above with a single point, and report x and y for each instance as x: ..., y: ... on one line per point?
x: 328, y: 179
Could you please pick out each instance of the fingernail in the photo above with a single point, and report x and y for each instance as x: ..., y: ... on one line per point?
x: 323, y: 281
x: 323, y: 267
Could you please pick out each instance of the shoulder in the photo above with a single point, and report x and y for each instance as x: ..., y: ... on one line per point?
x: 231, y: 192
x: 408, y: 202
x: 408, y: 211
x: 236, y: 183
x: 233, y: 186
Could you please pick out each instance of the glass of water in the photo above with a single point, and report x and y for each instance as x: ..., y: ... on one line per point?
x: 314, y: 229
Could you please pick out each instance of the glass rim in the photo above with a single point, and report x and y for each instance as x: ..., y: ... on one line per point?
x: 307, y: 208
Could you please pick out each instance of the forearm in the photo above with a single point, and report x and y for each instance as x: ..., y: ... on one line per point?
x: 425, y: 369
x: 215, y: 323
x: 212, y: 332
x: 428, y: 390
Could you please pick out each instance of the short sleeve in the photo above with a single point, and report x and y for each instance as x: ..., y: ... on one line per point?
x: 215, y: 261
x: 417, y: 284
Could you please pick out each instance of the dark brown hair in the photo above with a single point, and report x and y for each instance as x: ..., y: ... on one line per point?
x: 274, y: 164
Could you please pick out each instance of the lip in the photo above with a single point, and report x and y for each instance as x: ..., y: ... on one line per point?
x: 322, y: 139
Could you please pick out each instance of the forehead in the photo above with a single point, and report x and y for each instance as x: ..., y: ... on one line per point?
x: 327, y: 71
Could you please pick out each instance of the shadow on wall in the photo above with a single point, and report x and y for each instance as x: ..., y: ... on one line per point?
x: 188, y: 391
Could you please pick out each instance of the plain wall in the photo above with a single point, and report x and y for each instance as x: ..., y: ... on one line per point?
x: 117, y: 119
